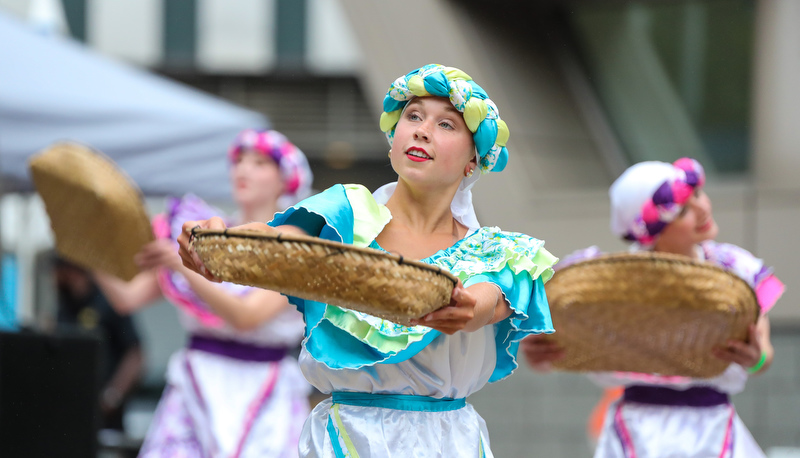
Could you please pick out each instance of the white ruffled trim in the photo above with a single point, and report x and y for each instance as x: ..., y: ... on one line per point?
x: 462, y: 208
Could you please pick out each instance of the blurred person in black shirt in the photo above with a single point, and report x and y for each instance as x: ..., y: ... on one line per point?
x: 83, y: 307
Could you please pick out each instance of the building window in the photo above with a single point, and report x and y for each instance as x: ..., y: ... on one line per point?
x: 674, y: 77
x: 180, y: 30
x: 75, y: 12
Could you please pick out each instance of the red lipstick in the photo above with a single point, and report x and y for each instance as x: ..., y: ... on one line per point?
x: 417, y: 154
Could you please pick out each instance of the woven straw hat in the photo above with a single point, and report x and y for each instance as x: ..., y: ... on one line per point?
x: 96, y: 212
x: 362, y: 279
x: 648, y: 313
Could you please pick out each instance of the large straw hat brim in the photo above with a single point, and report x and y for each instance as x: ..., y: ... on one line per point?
x: 371, y: 281
x: 96, y: 212
x: 648, y: 313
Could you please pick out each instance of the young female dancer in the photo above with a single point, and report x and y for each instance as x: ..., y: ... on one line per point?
x: 398, y: 390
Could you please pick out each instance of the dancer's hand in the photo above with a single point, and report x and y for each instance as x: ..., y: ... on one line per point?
x: 541, y: 352
x: 159, y: 253
x: 469, y: 309
x: 188, y: 256
x: 454, y: 316
x: 746, y: 354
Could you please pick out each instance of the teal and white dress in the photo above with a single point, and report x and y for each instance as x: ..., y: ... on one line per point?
x: 397, y: 390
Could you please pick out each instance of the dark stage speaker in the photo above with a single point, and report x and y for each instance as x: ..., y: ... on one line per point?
x: 49, y: 385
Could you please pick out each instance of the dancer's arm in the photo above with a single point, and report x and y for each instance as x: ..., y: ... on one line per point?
x: 286, y: 229
x: 127, y: 297
x: 242, y: 312
x: 763, y: 332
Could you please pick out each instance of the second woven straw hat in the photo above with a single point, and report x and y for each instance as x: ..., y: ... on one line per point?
x: 648, y: 313
x: 96, y: 212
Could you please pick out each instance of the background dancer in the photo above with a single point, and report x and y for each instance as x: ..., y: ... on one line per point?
x: 233, y: 391
x: 662, y: 207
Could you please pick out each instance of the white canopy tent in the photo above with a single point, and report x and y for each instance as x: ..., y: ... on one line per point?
x: 169, y: 138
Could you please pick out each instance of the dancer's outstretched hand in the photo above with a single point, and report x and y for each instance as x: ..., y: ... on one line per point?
x: 158, y: 253
x: 188, y: 256
x: 746, y: 354
x: 454, y: 316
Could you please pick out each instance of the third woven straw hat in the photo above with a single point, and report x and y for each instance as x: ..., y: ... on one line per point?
x: 648, y: 312
x: 96, y: 212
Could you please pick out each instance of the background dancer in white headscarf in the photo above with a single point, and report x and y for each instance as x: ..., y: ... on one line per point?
x: 662, y: 207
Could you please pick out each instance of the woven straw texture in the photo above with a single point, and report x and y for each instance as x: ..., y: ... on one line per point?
x: 96, y: 212
x: 370, y: 281
x: 649, y: 313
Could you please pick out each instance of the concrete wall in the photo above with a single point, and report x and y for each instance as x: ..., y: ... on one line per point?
x: 550, y: 145
x: 777, y: 94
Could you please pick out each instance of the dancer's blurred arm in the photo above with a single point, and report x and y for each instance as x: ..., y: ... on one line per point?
x: 127, y: 297
x: 242, y: 312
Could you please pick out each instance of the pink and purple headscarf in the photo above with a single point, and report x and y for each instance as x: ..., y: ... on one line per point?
x: 650, y: 195
x: 292, y: 162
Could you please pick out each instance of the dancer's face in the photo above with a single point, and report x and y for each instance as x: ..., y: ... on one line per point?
x: 695, y: 224
x: 432, y: 144
x: 256, y: 179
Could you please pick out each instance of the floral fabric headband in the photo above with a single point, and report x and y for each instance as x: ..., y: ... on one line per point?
x: 667, y: 201
x: 489, y: 132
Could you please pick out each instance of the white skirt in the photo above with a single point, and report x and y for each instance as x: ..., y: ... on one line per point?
x: 375, y: 432
x: 215, y: 406
x: 655, y: 431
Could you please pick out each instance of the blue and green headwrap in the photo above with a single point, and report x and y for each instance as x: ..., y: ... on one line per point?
x: 489, y: 132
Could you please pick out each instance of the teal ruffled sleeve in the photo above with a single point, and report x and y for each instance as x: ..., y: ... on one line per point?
x: 530, y: 314
x: 519, y: 265
x: 327, y: 215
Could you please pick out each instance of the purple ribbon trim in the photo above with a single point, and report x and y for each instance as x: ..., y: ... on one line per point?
x: 696, y: 396
x: 236, y: 350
